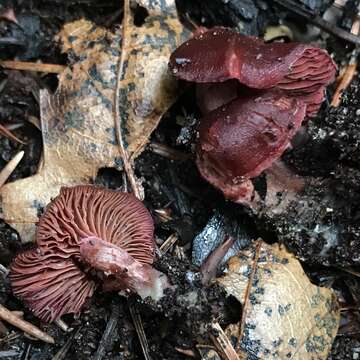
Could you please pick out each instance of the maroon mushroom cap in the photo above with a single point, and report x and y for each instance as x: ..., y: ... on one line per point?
x: 53, y: 279
x: 244, y: 137
x: 221, y: 54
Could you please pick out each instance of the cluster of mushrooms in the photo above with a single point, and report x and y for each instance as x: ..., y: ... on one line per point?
x: 254, y: 97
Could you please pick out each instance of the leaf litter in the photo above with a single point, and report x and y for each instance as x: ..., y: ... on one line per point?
x: 78, y: 128
x: 79, y: 135
x: 284, y: 315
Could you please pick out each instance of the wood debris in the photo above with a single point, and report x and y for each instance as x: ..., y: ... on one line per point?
x: 31, y: 66
x: 25, y: 326
x: 10, y: 167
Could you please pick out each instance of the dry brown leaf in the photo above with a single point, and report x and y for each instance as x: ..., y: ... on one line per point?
x: 78, y: 124
x: 286, y: 317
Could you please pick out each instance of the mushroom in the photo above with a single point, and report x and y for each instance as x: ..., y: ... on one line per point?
x: 82, y: 234
x: 254, y: 97
x: 221, y: 54
x: 241, y: 139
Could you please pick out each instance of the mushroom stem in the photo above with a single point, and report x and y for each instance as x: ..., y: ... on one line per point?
x: 130, y: 273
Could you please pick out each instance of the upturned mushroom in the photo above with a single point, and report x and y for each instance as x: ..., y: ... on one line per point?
x: 87, y: 236
x: 254, y: 97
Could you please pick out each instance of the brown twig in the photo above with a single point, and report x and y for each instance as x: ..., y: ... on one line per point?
x: 168, y: 243
x: 117, y: 116
x: 7, y: 133
x: 63, y: 325
x: 140, y: 331
x: 108, y: 333
x: 222, y: 343
x: 10, y: 167
x: 209, y: 267
x: 31, y: 66
x: 318, y: 21
x: 186, y: 352
x: 25, y: 326
x: 168, y: 152
x: 350, y: 70
x: 247, y: 293
x: 343, y: 84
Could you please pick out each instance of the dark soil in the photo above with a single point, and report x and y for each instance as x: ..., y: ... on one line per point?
x: 322, y: 229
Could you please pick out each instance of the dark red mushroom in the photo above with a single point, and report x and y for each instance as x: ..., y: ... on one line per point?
x: 254, y: 96
x: 244, y: 137
x: 221, y: 54
x: 56, y: 277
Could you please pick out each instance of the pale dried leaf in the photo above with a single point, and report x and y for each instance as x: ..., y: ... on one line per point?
x: 78, y: 120
x: 286, y: 316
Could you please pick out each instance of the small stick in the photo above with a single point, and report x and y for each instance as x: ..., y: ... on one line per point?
x: 168, y: 152
x: 19, y: 314
x: 3, y: 271
x: 140, y: 331
x: 209, y: 267
x: 6, y: 132
x: 8, y: 353
x: 164, y: 214
x: 168, y: 243
x: 10, y: 167
x: 186, y: 352
x: 25, y: 326
x: 318, y: 21
x: 31, y: 66
x: 61, y: 354
x: 222, y: 343
x: 344, y: 83
x: 117, y: 116
x: 350, y: 70
x: 27, y: 352
x: 106, y: 336
x: 248, y: 291
x: 9, y: 40
x: 63, y: 325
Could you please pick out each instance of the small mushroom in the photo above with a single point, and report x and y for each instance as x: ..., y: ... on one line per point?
x: 241, y: 139
x: 221, y: 54
x: 64, y: 269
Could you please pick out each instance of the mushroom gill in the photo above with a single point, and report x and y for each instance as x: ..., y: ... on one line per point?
x: 54, y: 278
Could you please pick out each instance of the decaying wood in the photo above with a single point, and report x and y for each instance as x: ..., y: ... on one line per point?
x: 140, y: 331
x: 10, y: 167
x: 6, y: 132
x: 247, y: 294
x: 117, y: 116
x: 168, y: 152
x: 25, y: 326
x: 168, y: 243
x: 108, y: 333
x: 222, y: 343
x: 350, y: 69
x: 31, y: 66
